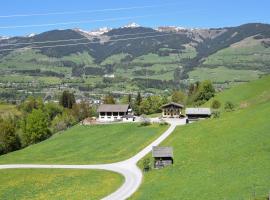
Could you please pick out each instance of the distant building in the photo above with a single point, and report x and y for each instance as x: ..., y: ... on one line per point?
x: 194, y: 114
x: 163, y: 156
x: 172, y: 110
x: 109, y: 76
x: 114, y: 112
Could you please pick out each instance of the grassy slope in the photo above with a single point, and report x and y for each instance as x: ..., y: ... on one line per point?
x: 246, y: 54
x: 88, y: 144
x: 246, y: 94
x: 222, y: 158
x: 222, y: 74
x: 55, y: 184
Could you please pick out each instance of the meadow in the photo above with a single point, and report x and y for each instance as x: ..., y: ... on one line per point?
x: 88, y: 145
x: 55, y: 184
x: 223, y: 158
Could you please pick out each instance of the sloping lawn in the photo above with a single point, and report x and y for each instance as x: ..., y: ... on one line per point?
x: 55, y: 184
x: 88, y: 145
x: 225, y: 158
x: 246, y: 94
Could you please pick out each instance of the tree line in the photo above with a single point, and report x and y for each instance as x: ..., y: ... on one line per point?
x: 39, y: 121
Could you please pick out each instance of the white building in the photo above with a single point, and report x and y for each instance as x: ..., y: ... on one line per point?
x: 114, y: 112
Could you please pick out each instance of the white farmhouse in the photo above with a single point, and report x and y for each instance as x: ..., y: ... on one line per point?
x: 114, y: 112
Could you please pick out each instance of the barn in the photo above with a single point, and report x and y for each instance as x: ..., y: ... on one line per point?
x: 194, y: 114
x: 163, y: 156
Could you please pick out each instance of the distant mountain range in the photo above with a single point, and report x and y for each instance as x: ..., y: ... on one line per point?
x: 165, y: 53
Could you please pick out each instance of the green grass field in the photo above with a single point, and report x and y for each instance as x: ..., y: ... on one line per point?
x: 225, y: 158
x: 88, y: 145
x: 246, y: 54
x: 246, y: 94
x: 55, y: 184
x: 222, y: 74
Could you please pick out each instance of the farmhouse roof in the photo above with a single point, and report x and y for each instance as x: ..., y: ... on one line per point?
x: 198, y: 111
x: 113, y: 108
x: 173, y: 104
x: 161, y: 152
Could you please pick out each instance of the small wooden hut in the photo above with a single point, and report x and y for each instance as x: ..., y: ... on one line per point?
x: 163, y: 156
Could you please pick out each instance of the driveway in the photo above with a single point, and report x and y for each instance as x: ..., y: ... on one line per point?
x: 128, y: 168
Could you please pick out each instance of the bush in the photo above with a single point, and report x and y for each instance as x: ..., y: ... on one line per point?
x: 229, y: 106
x: 216, y: 114
x: 146, y: 164
x: 215, y: 104
x: 35, y: 127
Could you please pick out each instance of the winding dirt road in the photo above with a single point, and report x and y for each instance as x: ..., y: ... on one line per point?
x: 128, y: 168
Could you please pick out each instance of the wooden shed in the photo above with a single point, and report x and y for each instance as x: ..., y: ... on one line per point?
x: 163, y: 156
x: 194, y: 114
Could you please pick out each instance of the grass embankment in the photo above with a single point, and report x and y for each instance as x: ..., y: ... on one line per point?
x: 248, y: 94
x: 225, y: 158
x: 54, y: 184
x: 88, y: 145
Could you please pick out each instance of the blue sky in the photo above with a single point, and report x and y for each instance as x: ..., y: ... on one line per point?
x: 185, y: 13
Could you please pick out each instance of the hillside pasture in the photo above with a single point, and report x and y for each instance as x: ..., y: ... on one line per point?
x: 226, y: 158
x: 88, y: 145
x: 53, y: 184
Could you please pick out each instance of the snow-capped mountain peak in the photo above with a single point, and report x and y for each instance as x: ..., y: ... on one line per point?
x: 97, y: 32
x: 132, y: 25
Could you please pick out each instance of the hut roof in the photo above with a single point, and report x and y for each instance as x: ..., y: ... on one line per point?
x: 198, y: 111
x: 161, y: 152
x: 172, y: 104
x: 113, y: 108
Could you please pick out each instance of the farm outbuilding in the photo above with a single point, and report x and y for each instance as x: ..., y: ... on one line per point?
x: 163, y: 156
x: 194, y: 114
x: 172, y: 110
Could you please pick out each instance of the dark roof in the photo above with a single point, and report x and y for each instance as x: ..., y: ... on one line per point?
x: 172, y: 104
x: 161, y: 152
x: 198, y: 111
x: 113, y: 108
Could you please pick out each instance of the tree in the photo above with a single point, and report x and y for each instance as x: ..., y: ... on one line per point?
x: 9, y: 140
x: 31, y: 103
x: 53, y: 109
x: 137, y: 104
x: 215, y: 104
x: 203, y: 92
x: 108, y: 99
x: 178, y: 97
x: 63, y: 121
x: 67, y: 99
x: 81, y: 111
x: 36, y: 127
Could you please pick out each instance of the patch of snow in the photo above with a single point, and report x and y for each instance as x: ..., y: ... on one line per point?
x: 31, y: 35
x: 97, y: 32
x: 131, y: 25
x: 4, y: 37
